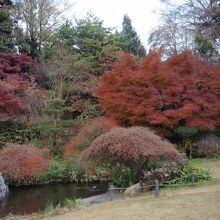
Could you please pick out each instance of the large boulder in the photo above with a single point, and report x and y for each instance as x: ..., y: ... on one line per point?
x: 132, y: 190
x: 3, y: 188
x: 106, y: 197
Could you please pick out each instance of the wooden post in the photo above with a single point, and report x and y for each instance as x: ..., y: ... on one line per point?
x: 193, y: 178
x: 141, y: 189
x: 111, y: 188
x: 157, y: 188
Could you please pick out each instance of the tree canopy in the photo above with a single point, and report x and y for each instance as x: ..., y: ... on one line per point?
x: 15, y: 84
x: 131, y: 42
x: 182, y: 90
x: 6, y: 24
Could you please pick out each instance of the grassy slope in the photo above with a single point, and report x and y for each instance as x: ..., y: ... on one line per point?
x: 191, y: 203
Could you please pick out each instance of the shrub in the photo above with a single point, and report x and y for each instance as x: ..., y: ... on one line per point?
x: 207, y: 151
x: 75, y: 172
x: 89, y: 132
x: 55, y: 172
x: 70, y: 203
x: 20, y: 164
x: 184, y: 176
x: 130, y: 147
x: 165, y: 171
x: 15, y: 132
x: 123, y: 176
x: 208, y: 145
x: 185, y: 132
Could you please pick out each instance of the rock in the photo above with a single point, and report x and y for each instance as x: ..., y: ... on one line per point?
x: 3, y: 188
x: 13, y: 218
x: 106, y: 197
x: 135, y: 189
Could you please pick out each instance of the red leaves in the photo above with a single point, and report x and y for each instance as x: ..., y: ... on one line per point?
x: 180, y: 90
x: 134, y: 146
x: 21, y: 163
x: 88, y: 133
x: 15, y: 82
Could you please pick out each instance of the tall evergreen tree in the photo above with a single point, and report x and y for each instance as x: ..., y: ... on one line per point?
x: 6, y: 26
x: 130, y: 39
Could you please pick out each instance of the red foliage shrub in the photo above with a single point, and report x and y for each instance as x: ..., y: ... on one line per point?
x: 133, y: 147
x: 21, y: 163
x: 181, y: 90
x: 89, y: 132
x: 15, y: 82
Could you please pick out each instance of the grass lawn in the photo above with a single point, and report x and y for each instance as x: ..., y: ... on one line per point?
x: 211, y: 164
x: 201, y: 202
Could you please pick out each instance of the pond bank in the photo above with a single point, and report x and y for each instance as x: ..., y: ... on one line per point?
x: 200, y: 202
x: 30, y: 199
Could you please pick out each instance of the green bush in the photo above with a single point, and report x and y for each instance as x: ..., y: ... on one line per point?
x: 75, y: 172
x: 185, y: 132
x: 124, y: 176
x: 70, y: 203
x: 185, y: 176
x: 56, y: 137
x: 15, y: 132
x: 55, y: 173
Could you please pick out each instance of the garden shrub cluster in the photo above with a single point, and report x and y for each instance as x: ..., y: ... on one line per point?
x: 15, y: 132
x: 71, y: 171
x: 123, y: 176
x: 208, y: 151
x: 164, y: 171
x: 130, y: 147
x: 176, y: 172
x: 21, y: 164
x: 208, y: 145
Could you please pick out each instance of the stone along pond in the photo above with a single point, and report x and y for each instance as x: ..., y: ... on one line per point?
x: 30, y: 199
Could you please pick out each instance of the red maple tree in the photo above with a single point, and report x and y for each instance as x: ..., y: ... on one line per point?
x: 182, y: 90
x: 15, y: 82
x: 133, y: 147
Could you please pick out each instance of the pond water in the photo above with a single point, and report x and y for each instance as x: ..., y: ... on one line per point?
x: 30, y: 199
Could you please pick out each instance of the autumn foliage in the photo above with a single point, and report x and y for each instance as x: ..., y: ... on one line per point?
x: 20, y: 163
x: 133, y: 147
x: 15, y: 83
x: 89, y: 132
x: 182, y: 90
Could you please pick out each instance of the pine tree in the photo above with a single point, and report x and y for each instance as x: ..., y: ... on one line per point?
x: 6, y: 26
x: 130, y: 39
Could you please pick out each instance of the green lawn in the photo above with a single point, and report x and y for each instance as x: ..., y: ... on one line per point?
x: 213, y: 165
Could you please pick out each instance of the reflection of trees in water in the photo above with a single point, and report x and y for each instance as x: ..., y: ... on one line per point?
x: 31, y: 199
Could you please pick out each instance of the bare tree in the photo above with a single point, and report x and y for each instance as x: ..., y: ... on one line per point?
x: 182, y: 23
x: 171, y: 34
x: 40, y: 18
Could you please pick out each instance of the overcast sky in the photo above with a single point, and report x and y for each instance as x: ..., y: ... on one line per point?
x: 143, y: 13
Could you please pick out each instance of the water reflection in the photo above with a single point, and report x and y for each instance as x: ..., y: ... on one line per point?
x: 29, y: 199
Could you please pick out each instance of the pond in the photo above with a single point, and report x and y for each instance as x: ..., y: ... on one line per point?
x: 30, y: 199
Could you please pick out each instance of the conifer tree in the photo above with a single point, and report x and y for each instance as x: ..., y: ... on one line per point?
x: 130, y: 39
x: 6, y: 26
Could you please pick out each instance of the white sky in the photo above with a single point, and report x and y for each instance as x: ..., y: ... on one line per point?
x: 143, y: 13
